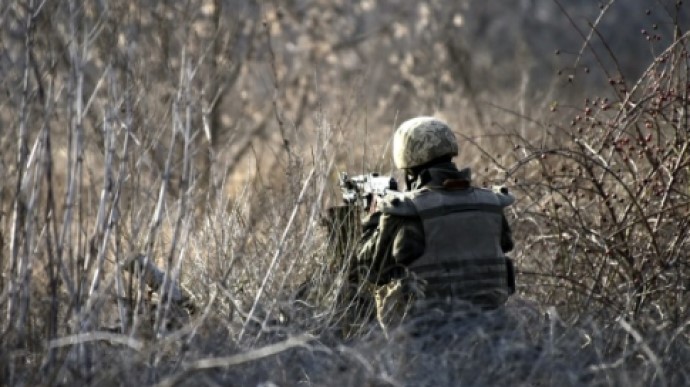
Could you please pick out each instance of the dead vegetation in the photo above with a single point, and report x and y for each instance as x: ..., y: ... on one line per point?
x: 166, y: 167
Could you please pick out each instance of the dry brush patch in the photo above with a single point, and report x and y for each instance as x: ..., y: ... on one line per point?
x: 605, y: 197
x: 114, y: 163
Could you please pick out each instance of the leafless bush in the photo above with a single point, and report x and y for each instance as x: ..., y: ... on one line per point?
x: 605, y: 197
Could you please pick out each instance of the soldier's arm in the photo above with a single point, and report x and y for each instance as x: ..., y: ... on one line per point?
x: 374, y: 247
x: 409, y: 242
x: 507, y: 243
x: 396, y: 240
x: 505, y: 199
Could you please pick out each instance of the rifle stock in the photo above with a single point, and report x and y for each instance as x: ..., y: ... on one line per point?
x: 360, y: 190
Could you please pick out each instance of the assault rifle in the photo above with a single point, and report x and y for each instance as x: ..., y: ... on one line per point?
x: 360, y: 190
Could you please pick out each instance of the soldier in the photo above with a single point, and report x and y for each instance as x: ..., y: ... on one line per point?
x: 441, y: 241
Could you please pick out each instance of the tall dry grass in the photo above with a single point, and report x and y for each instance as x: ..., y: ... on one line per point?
x: 115, y: 159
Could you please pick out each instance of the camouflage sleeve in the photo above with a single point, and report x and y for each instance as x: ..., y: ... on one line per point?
x: 391, y: 243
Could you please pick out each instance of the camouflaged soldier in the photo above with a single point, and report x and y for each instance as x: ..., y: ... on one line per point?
x: 441, y: 241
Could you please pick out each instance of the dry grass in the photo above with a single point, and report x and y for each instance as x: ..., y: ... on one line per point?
x: 208, y: 147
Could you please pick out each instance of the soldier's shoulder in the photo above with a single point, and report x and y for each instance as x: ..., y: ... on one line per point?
x: 398, y: 204
x: 501, y: 193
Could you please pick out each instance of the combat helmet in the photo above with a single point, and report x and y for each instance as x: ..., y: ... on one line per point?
x: 420, y: 140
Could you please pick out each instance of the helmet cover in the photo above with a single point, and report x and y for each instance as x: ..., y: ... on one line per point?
x: 420, y: 140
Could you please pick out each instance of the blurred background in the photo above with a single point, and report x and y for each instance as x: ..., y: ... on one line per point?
x: 258, y: 74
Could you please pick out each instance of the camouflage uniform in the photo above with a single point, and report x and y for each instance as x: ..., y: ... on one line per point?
x: 442, y: 240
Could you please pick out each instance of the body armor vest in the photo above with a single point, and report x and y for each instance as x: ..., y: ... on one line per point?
x: 463, y: 258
